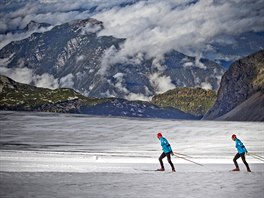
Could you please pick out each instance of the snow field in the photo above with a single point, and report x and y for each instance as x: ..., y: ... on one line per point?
x: 60, y: 155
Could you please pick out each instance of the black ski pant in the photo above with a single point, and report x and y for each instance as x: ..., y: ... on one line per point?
x: 169, y: 160
x: 243, y: 157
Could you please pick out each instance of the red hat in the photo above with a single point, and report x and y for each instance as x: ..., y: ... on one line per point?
x: 159, y: 135
x: 233, y: 136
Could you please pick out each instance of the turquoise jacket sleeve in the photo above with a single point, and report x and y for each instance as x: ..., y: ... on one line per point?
x: 165, y: 145
x: 240, y: 147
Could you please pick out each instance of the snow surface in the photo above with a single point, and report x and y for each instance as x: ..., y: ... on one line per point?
x: 66, y: 155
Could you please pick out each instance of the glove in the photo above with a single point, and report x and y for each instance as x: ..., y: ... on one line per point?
x: 172, y: 153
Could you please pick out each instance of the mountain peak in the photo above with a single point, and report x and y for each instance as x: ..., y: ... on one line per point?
x: 85, y: 22
x: 33, y: 25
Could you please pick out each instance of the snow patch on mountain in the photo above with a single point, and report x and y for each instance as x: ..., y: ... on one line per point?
x: 5, y: 61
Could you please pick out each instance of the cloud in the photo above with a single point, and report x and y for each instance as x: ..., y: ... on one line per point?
x: 67, y: 81
x: 206, y: 86
x: 160, y: 83
x: 9, y: 37
x: 91, y: 28
x: 16, y: 14
x: 198, y: 63
x: 45, y: 80
x: 152, y: 27
x: 27, y: 76
x: 141, y: 97
x: 109, y: 57
x: 22, y: 75
x: 119, y: 77
x: 80, y: 58
x: 155, y: 27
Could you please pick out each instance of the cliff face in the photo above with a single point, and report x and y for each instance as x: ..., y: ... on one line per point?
x: 244, y: 78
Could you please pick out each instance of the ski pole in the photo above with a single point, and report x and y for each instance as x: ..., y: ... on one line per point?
x: 255, y: 157
x: 188, y: 160
x: 181, y: 154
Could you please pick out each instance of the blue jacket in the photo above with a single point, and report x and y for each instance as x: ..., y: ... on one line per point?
x: 240, y: 147
x: 165, y: 145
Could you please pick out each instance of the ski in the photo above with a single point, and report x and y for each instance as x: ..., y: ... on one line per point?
x: 151, y: 170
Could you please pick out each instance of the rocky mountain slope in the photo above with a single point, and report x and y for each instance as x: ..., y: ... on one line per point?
x: 22, y: 97
x: 251, y: 109
x: 18, y: 96
x: 196, y: 101
x: 74, y: 56
x: 241, y: 89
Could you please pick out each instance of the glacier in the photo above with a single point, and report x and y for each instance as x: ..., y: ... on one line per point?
x: 70, y: 155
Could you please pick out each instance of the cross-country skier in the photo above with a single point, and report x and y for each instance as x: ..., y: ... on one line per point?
x: 241, y: 149
x: 167, y: 151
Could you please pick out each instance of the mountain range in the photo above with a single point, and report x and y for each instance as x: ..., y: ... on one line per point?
x: 73, y: 55
x: 22, y: 97
x: 103, y: 82
x: 239, y: 98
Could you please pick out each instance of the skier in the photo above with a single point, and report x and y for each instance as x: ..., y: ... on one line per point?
x: 167, y: 151
x: 241, y: 149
